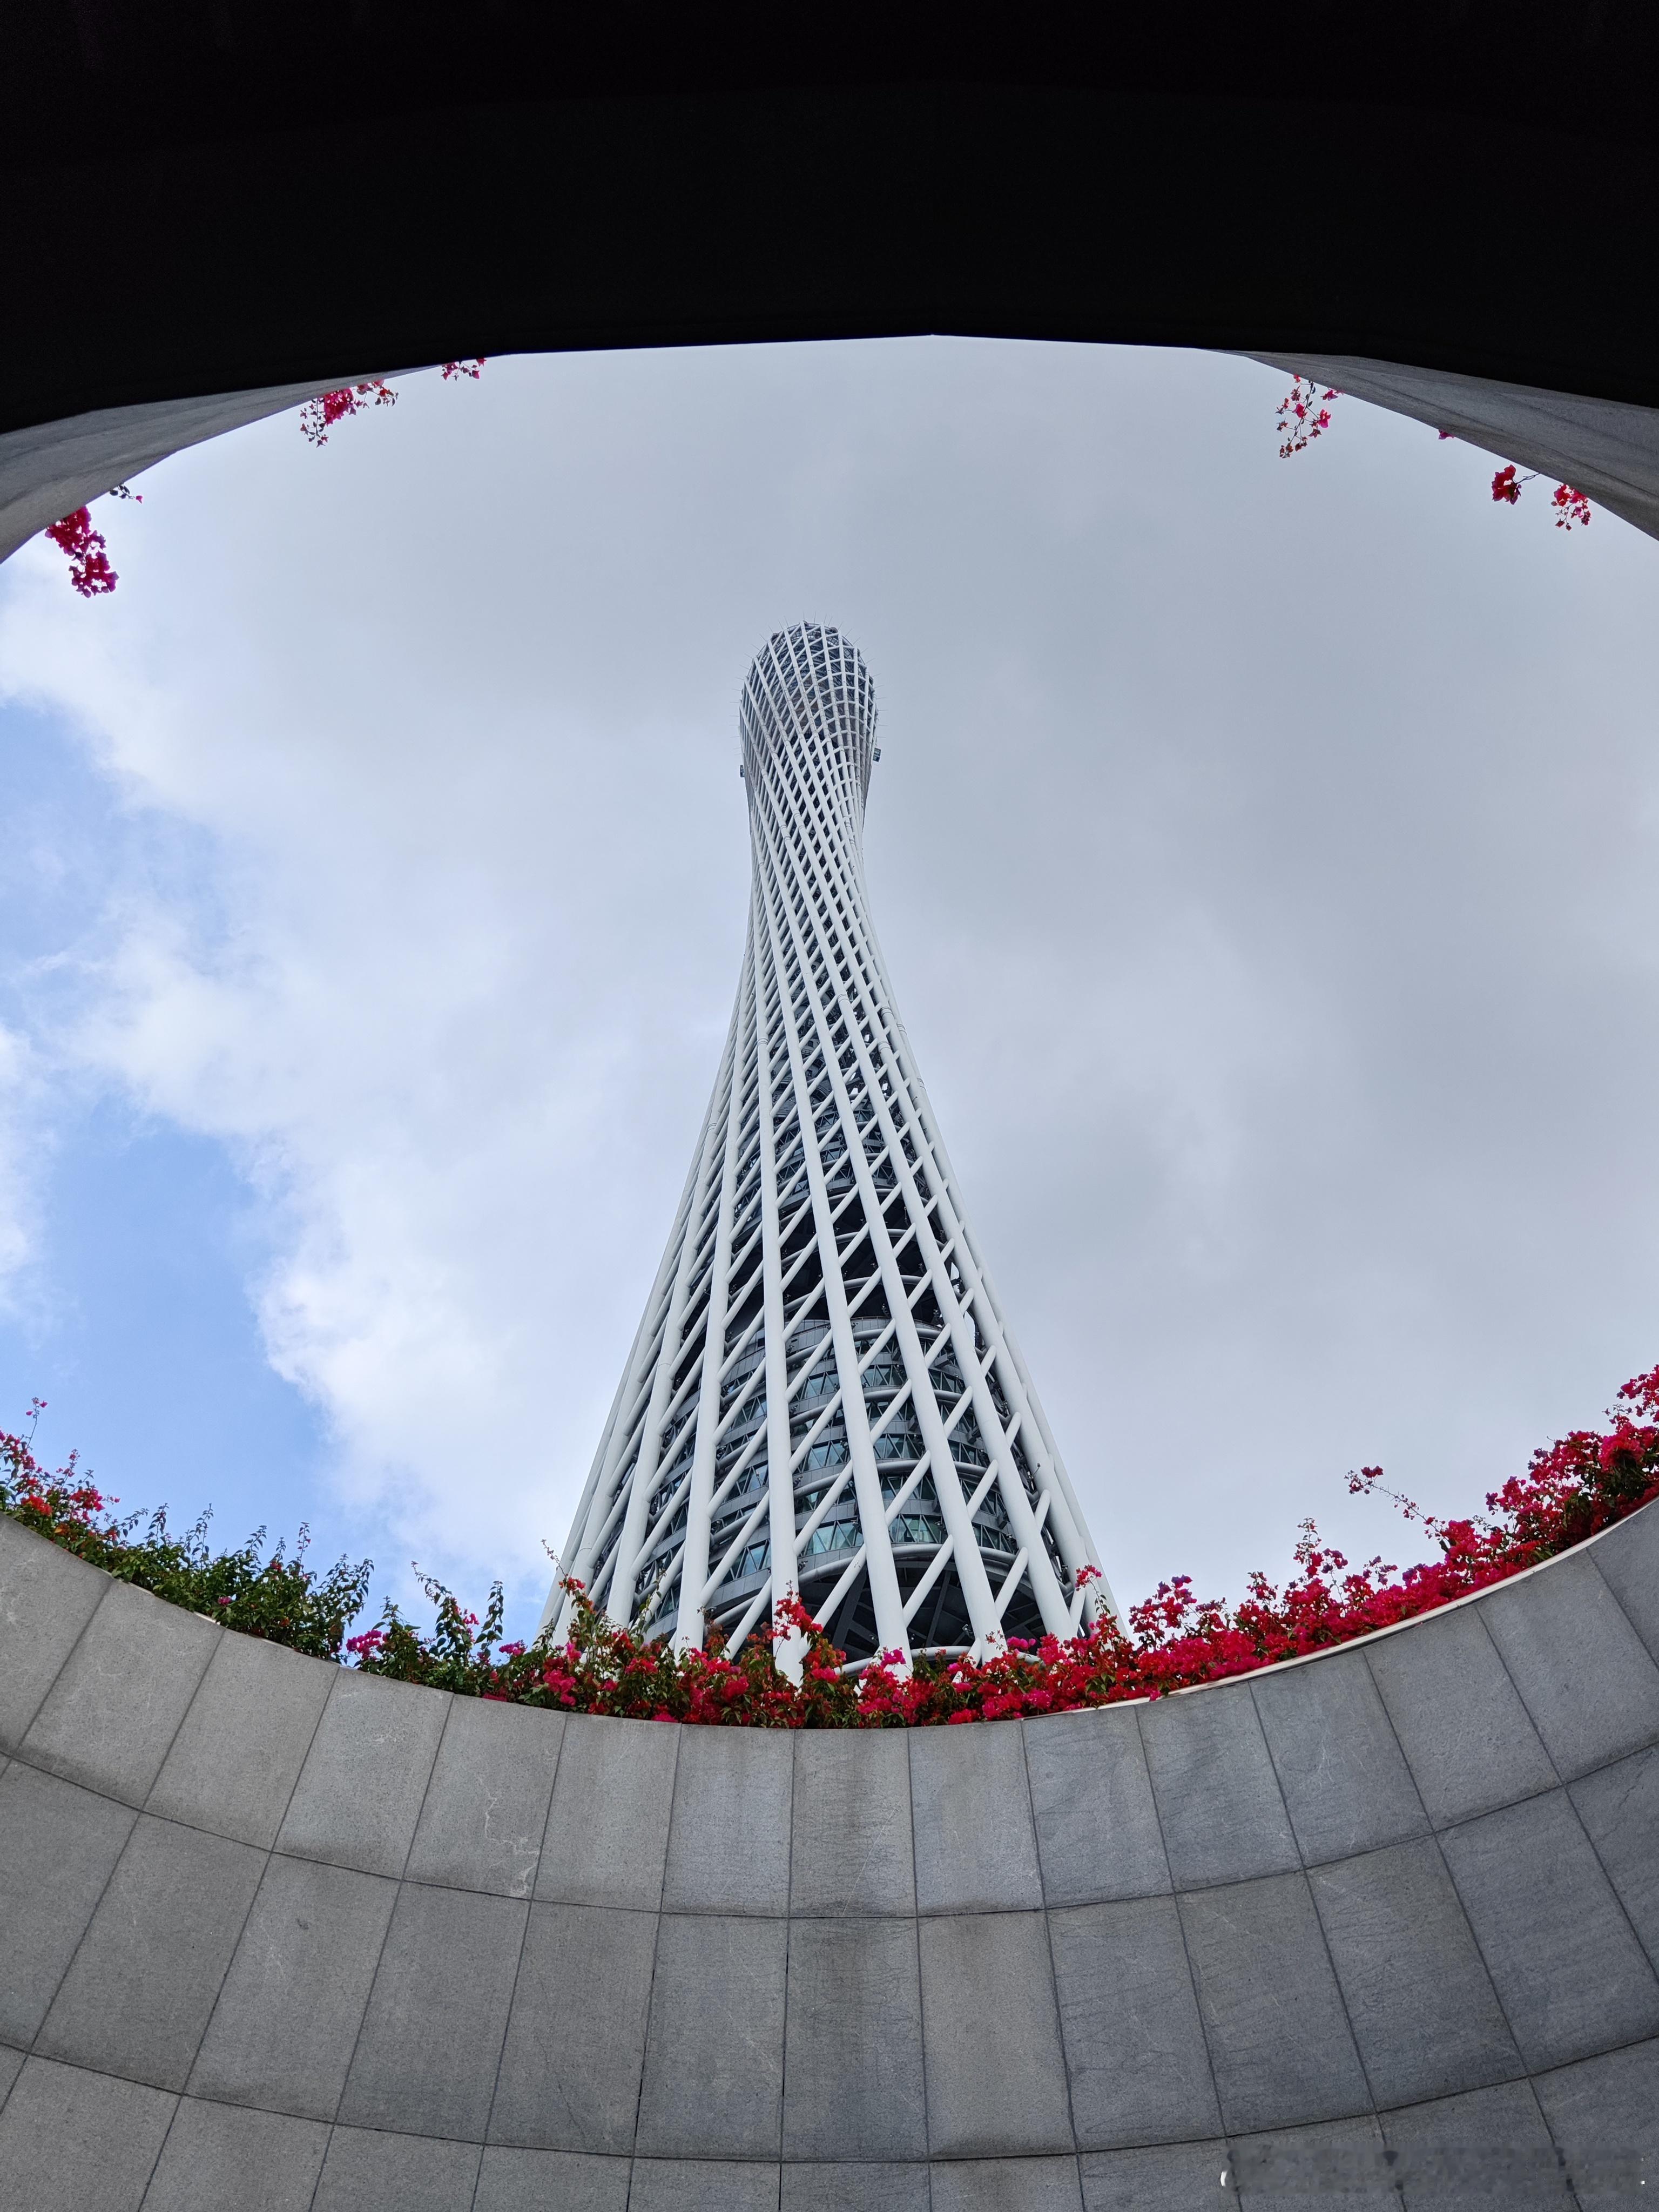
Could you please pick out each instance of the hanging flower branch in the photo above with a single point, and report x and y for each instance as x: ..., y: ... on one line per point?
x: 1304, y: 414
x: 318, y: 416
x: 1571, y: 506
x: 90, y: 573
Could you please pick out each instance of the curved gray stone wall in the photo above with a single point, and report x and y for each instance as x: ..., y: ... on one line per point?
x: 1376, y: 1929
x: 53, y: 468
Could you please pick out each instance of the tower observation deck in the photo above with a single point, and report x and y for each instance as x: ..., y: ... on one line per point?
x: 823, y: 1395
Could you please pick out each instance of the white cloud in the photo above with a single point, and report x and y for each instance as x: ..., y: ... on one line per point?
x: 1267, y: 874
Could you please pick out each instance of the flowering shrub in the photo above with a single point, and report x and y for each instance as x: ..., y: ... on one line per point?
x: 1572, y: 1490
x: 279, y: 1598
x: 602, y: 1669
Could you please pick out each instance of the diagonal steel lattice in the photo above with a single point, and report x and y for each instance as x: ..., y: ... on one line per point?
x: 824, y: 1396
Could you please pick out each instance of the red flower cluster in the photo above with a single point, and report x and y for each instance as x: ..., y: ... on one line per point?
x: 90, y: 573
x: 318, y: 416
x: 1303, y: 415
x: 1571, y: 506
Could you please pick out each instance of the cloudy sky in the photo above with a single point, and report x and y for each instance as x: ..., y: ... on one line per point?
x: 1266, y: 855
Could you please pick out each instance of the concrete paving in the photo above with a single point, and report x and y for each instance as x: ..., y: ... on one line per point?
x: 1380, y: 1927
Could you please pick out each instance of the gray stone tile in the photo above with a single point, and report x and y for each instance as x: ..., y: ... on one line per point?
x: 1421, y: 2004
x: 74, y: 2142
x: 575, y: 2044
x: 1628, y: 1559
x: 869, y: 2188
x: 607, y: 1833
x: 239, y: 1747
x: 1604, y: 2116
x: 713, y: 2060
x: 1583, y: 1672
x: 1571, y: 1977
x: 360, y: 1790
x: 109, y: 1718
x: 431, y: 2039
x: 1460, y: 1721
x: 1620, y: 1808
x: 283, y: 2032
x: 369, y: 2173
x: 1097, y: 1826
x: 1217, y: 1796
x: 1346, y: 1785
x: 1006, y: 2184
x: 58, y: 1846
x: 717, y: 1862
x: 1134, y: 2044
x: 219, y: 2155
x: 551, y: 2181
x: 850, y: 1847
x: 1158, y: 2178
x: 1339, y: 2166
x: 137, y: 1997
x: 975, y: 1844
x: 1486, y: 2151
x: 676, y: 2184
x: 485, y: 1813
x: 47, y: 1599
x: 996, y: 2077
x: 11, y: 2065
x: 1278, y: 2062
x: 852, y: 2069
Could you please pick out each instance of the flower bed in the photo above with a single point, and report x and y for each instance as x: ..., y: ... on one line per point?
x: 1571, y: 1490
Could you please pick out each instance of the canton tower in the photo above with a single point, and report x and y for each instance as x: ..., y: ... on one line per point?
x: 823, y: 1395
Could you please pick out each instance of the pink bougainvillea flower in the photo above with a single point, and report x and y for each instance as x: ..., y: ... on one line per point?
x: 318, y: 416
x: 1298, y: 424
x: 90, y: 573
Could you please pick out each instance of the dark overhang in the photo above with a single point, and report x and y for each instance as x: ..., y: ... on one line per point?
x: 213, y: 196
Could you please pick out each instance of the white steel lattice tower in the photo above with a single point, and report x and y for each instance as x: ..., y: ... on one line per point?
x: 823, y: 1395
